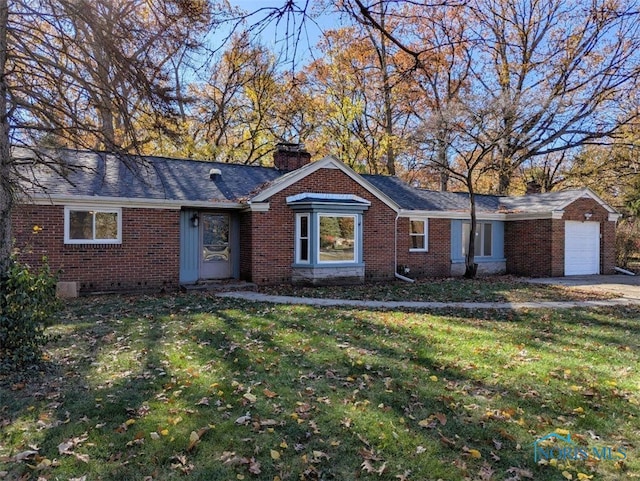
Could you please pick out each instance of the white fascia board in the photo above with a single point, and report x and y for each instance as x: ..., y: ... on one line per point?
x: 614, y: 216
x: 587, y: 192
x: 328, y: 197
x: 501, y: 216
x: 328, y: 162
x: 534, y: 215
x: 259, y: 206
x: 126, y: 202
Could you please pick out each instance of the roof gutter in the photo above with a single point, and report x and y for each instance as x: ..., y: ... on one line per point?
x: 43, y: 199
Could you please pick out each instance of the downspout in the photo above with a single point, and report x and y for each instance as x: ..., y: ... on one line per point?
x: 395, y: 254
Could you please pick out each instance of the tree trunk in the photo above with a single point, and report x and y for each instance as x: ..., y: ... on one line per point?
x: 388, y: 108
x: 504, y: 181
x: 443, y: 167
x: 471, y: 268
x: 6, y: 192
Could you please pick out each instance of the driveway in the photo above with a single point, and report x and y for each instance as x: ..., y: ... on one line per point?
x: 619, y: 284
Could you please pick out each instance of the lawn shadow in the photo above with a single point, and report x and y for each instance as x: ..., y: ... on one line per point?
x: 440, y: 395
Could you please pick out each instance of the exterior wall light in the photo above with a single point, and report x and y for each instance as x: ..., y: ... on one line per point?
x: 587, y: 215
x: 195, y: 220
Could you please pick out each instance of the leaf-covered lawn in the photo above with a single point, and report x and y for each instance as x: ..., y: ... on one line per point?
x: 492, y: 289
x: 195, y: 387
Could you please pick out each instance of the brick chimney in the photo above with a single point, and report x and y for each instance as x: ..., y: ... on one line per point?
x: 533, y: 187
x: 288, y: 156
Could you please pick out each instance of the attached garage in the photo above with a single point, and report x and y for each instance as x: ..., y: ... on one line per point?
x: 581, y: 248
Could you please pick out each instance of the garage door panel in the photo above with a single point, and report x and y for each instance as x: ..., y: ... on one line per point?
x: 581, y: 248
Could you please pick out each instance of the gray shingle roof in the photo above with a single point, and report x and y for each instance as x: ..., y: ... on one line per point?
x: 546, y: 202
x: 188, y: 181
x: 411, y: 198
x: 157, y: 178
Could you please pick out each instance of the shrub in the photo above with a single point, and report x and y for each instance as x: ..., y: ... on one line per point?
x: 627, y: 242
x: 27, y: 304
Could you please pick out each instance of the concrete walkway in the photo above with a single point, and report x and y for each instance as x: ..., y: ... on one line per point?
x: 619, y: 285
x: 257, y: 297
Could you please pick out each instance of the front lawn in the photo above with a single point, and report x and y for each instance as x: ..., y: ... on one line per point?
x: 199, y: 388
x: 490, y: 289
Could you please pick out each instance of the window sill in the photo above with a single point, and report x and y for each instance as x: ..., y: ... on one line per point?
x: 328, y: 265
x: 94, y: 245
x: 480, y: 260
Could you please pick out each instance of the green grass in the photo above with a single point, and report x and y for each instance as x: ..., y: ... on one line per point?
x: 492, y: 289
x: 195, y: 387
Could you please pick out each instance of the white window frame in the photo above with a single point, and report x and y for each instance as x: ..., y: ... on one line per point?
x: 356, y: 236
x: 425, y: 235
x: 94, y: 209
x: 479, y: 231
x: 299, y: 238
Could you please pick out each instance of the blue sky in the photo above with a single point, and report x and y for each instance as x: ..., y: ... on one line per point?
x: 273, y: 35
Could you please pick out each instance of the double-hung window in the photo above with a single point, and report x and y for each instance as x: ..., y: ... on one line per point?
x: 418, y: 235
x: 303, y: 245
x: 89, y: 225
x: 483, y: 242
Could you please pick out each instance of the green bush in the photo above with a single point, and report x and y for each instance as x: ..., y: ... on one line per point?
x: 627, y: 242
x: 27, y: 304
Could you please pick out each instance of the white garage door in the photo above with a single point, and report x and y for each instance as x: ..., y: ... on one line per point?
x: 581, y: 248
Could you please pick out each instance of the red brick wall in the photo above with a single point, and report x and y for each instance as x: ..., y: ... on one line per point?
x: 434, y: 263
x: 527, y: 247
x: 147, y: 259
x: 272, y: 233
x: 536, y: 247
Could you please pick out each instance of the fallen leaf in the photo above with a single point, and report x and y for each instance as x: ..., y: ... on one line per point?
x: 567, y: 474
x: 441, y: 417
x: 474, y: 453
x: 175, y: 421
x: 275, y: 455
x: 82, y: 457
x: 446, y: 440
x: 427, y: 423
x: 519, y: 473
x: 250, y: 397
x: 404, y: 476
x: 268, y: 393
x: 24, y: 455
x: 254, y: 466
x: 194, y: 439
x: 368, y: 466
